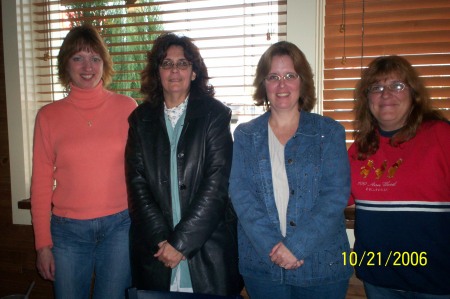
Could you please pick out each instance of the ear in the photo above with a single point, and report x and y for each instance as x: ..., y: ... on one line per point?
x: 193, y: 76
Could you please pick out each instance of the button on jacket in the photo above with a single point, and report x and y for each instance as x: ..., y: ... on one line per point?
x: 318, y: 174
x: 206, y: 234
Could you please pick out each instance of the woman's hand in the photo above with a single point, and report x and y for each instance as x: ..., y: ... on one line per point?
x: 45, y: 263
x: 283, y: 257
x: 168, y: 255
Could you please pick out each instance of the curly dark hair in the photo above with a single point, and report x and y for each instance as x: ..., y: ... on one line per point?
x: 85, y: 37
x: 366, y: 126
x: 151, y: 86
x: 307, y: 97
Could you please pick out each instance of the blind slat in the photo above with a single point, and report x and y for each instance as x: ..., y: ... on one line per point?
x: 333, y: 64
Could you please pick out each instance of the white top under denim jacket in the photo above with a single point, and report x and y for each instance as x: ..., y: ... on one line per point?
x: 279, y: 178
x: 318, y: 174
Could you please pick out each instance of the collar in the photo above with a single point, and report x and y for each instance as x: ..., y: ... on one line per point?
x: 174, y: 114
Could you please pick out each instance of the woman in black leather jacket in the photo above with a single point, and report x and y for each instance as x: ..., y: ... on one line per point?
x: 178, y: 158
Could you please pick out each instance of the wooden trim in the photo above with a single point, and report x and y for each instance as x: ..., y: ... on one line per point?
x: 24, y: 204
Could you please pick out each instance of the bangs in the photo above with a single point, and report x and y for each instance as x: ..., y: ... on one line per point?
x: 87, y: 46
x: 389, y: 73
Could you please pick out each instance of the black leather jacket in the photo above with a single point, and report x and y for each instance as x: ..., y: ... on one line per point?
x: 206, y: 234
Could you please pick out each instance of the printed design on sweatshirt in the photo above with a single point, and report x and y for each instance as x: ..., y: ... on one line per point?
x: 366, y: 169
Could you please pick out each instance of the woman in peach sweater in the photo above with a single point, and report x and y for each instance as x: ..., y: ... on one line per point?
x: 78, y: 191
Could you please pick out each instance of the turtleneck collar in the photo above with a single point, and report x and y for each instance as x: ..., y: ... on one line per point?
x: 88, y: 98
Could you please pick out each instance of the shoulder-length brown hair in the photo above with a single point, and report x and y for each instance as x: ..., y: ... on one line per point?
x: 83, y: 38
x: 151, y: 86
x: 366, y: 126
x: 302, y: 67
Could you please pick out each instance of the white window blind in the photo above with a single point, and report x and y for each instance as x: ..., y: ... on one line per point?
x: 231, y: 35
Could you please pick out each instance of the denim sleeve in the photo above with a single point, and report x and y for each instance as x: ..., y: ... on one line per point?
x: 323, y: 225
x: 248, y: 199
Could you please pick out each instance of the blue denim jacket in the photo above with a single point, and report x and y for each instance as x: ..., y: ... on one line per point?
x: 318, y: 173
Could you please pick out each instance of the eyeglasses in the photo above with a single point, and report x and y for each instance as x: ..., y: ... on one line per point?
x: 272, y: 78
x: 395, y: 86
x: 180, y: 64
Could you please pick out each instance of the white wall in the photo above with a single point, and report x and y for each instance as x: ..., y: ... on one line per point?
x: 305, y: 19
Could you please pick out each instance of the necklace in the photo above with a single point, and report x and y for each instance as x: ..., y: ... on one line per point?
x: 90, y: 122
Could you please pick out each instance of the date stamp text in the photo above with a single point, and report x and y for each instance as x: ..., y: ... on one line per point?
x: 393, y: 258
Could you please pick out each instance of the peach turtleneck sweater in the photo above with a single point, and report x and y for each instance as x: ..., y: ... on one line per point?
x: 78, y: 158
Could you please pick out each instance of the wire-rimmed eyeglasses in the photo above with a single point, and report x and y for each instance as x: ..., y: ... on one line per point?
x: 277, y: 78
x: 394, y: 86
x: 180, y: 64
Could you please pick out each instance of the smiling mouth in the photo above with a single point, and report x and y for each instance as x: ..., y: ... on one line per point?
x: 87, y: 77
x: 388, y: 105
x: 285, y: 94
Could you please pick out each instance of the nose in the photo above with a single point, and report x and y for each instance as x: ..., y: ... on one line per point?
x: 88, y: 64
x: 385, y: 92
x: 174, y: 69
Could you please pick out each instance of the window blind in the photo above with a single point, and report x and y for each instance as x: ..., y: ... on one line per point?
x: 231, y: 35
x: 418, y: 30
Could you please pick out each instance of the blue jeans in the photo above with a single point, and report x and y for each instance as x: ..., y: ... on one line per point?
x: 374, y: 292
x: 267, y: 289
x: 84, y: 247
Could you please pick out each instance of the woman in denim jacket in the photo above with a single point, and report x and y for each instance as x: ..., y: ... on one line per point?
x: 290, y: 183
